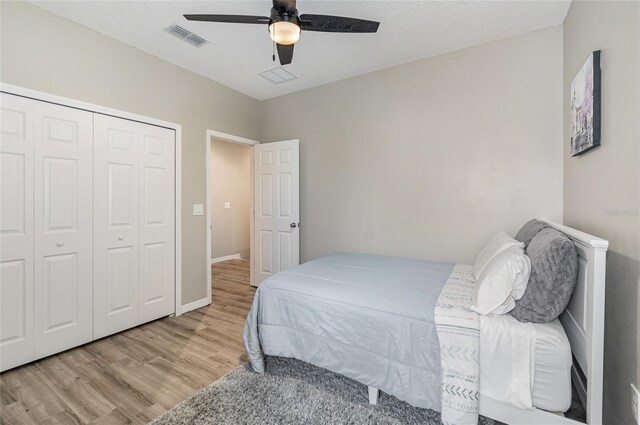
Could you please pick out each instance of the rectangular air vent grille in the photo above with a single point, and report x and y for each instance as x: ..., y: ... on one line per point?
x: 278, y: 75
x: 186, y: 35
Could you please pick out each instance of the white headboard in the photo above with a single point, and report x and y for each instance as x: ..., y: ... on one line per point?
x: 583, y: 320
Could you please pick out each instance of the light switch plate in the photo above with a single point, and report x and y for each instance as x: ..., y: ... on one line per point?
x: 198, y: 209
x: 227, y: 205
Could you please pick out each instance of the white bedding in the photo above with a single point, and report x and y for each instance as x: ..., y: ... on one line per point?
x: 458, y: 336
x: 552, y: 374
x: 525, y: 365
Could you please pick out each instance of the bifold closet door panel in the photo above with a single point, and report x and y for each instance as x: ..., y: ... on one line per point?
x: 134, y: 224
x: 157, y: 222
x: 16, y: 231
x: 116, y: 224
x: 63, y: 228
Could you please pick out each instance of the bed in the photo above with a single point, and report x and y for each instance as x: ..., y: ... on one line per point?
x: 371, y: 318
x: 368, y: 317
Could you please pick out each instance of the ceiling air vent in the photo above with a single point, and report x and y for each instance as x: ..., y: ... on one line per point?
x: 186, y: 35
x: 277, y: 75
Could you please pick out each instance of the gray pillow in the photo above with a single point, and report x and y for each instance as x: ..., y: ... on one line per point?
x: 554, y: 268
x: 528, y: 231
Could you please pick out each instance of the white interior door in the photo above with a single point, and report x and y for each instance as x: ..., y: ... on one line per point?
x: 277, y: 208
x: 16, y: 231
x: 116, y: 217
x: 63, y: 228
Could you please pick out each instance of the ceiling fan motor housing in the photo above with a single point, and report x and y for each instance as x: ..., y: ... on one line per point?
x: 277, y: 16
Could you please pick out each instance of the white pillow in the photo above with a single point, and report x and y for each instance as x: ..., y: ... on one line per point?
x: 496, y: 245
x: 502, y: 281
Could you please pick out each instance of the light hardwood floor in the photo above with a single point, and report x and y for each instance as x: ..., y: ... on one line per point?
x: 136, y: 375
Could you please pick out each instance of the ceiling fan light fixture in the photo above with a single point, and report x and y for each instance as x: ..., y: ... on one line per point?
x: 284, y: 32
x: 285, y: 24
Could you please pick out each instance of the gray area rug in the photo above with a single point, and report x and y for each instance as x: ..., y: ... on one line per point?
x: 293, y: 392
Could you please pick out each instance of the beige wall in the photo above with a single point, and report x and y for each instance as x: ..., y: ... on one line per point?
x: 602, y: 187
x: 230, y: 182
x: 429, y: 159
x: 45, y: 52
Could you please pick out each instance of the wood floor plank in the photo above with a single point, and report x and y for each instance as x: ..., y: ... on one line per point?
x: 115, y: 417
x: 134, y: 376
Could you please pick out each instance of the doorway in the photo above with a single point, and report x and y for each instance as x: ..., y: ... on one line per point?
x: 229, y: 203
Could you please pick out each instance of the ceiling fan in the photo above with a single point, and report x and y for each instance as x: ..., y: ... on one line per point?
x: 285, y: 25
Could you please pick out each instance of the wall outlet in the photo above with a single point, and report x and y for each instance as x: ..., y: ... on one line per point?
x: 198, y: 209
x: 227, y: 205
x: 635, y: 396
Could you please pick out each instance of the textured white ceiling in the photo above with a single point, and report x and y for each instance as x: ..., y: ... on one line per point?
x: 409, y: 30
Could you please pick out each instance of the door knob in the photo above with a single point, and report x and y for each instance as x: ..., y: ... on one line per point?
x: 120, y: 237
x: 293, y: 225
x: 60, y: 244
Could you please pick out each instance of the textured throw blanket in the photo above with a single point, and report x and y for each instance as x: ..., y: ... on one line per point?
x: 458, y: 330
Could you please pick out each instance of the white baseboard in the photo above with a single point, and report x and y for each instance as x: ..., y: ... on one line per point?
x: 194, y: 305
x: 225, y: 258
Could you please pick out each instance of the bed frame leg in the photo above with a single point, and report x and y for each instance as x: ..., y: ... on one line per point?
x: 373, y: 395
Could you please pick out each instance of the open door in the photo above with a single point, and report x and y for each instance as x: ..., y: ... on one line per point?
x: 276, y: 208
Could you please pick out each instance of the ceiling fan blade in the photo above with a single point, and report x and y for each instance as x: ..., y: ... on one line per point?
x: 285, y: 53
x: 233, y: 19
x: 285, y: 6
x: 327, y: 23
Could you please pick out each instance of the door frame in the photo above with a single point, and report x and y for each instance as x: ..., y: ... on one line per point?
x: 90, y: 107
x: 213, y: 134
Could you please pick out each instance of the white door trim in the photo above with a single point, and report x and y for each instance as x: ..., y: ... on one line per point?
x: 212, y: 134
x: 231, y: 138
x: 64, y: 101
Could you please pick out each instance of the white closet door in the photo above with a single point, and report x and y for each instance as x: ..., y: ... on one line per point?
x: 116, y: 194
x: 63, y: 247
x: 157, y: 228
x: 134, y: 219
x: 16, y: 231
